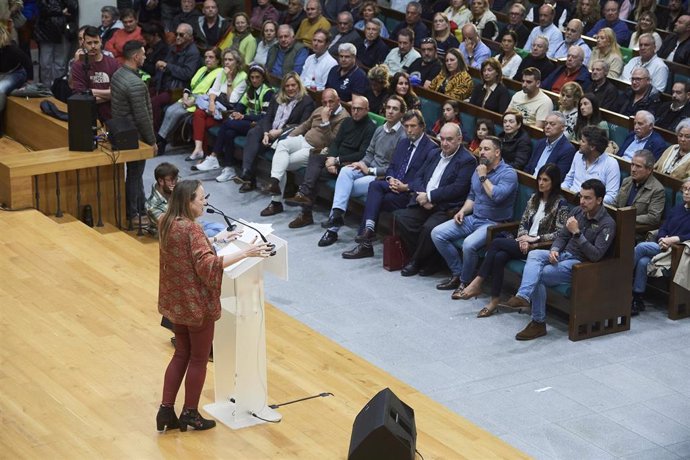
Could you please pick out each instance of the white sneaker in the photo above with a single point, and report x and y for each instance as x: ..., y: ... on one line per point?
x: 195, y: 156
x: 226, y: 175
x: 209, y: 164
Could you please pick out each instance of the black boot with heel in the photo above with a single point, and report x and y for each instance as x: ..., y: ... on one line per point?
x: 191, y: 417
x: 166, y: 419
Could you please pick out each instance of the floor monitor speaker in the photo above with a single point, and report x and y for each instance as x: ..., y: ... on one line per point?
x: 81, y: 125
x: 384, y: 429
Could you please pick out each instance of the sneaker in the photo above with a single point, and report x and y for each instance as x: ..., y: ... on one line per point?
x: 209, y: 164
x: 195, y: 156
x: 226, y: 175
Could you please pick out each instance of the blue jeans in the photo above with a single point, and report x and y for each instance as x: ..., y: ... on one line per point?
x: 644, y: 252
x: 350, y: 183
x: 8, y: 83
x: 474, y: 232
x: 540, y: 273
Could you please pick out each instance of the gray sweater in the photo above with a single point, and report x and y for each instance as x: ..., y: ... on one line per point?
x: 130, y: 99
x: 381, y: 148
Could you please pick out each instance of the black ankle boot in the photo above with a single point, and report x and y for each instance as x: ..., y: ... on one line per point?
x: 166, y: 419
x: 192, y: 418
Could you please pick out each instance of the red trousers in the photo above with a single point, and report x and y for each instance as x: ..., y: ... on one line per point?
x: 192, y: 347
x: 201, y: 122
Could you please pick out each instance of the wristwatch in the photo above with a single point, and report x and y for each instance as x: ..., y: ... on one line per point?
x: 482, y: 179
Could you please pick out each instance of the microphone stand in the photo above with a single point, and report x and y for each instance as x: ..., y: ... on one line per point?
x: 213, y: 210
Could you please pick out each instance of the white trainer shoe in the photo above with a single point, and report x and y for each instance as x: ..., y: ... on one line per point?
x: 226, y: 175
x: 209, y: 164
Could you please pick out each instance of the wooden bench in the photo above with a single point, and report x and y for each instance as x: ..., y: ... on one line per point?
x: 53, y: 179
x: 597, y: 301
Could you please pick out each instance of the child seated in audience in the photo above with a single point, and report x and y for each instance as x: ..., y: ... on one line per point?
x: 483, y: 128
x: 450, y: 113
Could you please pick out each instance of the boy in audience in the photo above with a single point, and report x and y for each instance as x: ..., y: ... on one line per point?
x: 586, y: 237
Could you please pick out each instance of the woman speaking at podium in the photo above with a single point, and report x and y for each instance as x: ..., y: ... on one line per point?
x: 189, y: 296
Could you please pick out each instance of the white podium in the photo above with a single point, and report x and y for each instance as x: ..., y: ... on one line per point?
x: 239, y: 344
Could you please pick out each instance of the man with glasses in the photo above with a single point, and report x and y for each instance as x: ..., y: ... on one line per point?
x: 347, y: 78
x: 413, y: 21
x: 348, y: 146
x: 424, y: 70
x: 642, y: 95
x: 516, y: 17
x: 657, y: 68
x: 343, y: 32
x: 573, y: 37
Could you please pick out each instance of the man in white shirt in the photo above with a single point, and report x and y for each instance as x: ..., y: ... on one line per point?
x: 658, y: 71
x: 547, y: 29
x: 400, y: 58
x: 316, y: 67
x: 531, y: 102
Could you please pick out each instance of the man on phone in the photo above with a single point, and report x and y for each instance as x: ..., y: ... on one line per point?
x: 93, y: 71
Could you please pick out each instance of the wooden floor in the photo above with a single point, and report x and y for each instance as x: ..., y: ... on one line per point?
x: 83, y: 360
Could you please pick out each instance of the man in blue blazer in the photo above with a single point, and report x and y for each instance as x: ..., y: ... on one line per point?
x: 573, y: 70
x: 643, y: 136
x: 554, y: 148
x: 392, y: 192
x: 439, y: 190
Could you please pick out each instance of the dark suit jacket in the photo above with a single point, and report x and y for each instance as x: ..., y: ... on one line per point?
x: 668, y: 119
x: 682, y: 54
x: 375, y: 54
x: 349, y: 37
x: 562, y: 156
x: 497, y: 102
x: 583, y: 78
x: 656, y: 144
x: 455, y: 181
x: 425, y: 148
x: 607, y: 95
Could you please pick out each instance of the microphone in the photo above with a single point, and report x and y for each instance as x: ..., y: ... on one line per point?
x: 213, y: 210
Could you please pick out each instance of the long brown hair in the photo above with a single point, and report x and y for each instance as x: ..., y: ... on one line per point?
x: 178, y: 206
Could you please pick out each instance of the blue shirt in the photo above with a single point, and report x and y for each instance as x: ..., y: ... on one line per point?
x: 604, y: 168
x: 498, y: 207
x: 546, y: 153
x: 635, y: 145
x: 353, y: 82
x: 554, y: 35
x: 481, y: 54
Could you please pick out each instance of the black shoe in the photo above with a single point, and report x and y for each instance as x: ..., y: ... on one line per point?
x: 366, y: 236
x: 637, y: 305
x: 411, y: 269
x: 450, y: 284
x: 191, y: 417
x: 429, y: 270
x: 166, y: 419
x: 328, y: 238
x: 360, y: 251
x: 336, y: 220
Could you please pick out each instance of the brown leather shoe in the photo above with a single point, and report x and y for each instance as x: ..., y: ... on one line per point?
x: 303, y: 219
x: 450, y: 284
x: 458, y: 292
x: 515, y: 303
x: 366, y: 236
x: 533, y: 330
x: 272, y: 209
x: 359, y: 252
x: 248, y: 187
x: 299, y: 200
x: 272, y: 188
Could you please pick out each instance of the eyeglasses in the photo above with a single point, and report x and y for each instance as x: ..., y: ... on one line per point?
x: 686, y: 189
x: 180, y: 34
x: 358, y: 109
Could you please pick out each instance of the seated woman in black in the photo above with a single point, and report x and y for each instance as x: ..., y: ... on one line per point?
x: 544, y: 216
x: 492, y: 93
x: 516, y: 147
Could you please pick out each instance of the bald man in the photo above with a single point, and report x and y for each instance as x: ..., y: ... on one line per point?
x: 573, y: 70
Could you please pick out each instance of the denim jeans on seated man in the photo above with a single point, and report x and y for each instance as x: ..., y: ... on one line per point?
x: 474, y: 231
x: 539, y: 274
x: 351, y: 183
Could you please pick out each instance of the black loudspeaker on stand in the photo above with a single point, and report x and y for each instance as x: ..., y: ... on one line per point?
x: 384, y: 429
x: 81, y: 125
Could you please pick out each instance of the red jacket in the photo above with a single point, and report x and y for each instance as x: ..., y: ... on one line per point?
x: 118, y: 40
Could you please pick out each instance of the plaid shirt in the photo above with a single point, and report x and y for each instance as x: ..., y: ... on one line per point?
x: 156, y: 205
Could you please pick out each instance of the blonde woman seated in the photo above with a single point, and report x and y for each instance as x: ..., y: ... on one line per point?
x: 607, y: 50
x: 568, y: 102
x: 544, y: 216
x: 227, y: 90
x: 675, y: 161
x: 454, y: 81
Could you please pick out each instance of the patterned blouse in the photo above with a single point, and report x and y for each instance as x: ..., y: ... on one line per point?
x: 190, y: 276
x: 458, y: 86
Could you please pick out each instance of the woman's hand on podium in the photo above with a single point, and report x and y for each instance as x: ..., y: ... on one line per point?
x: 228, y: 237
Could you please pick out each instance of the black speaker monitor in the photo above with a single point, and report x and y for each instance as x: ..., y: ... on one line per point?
x: 384, y: 429
x: 81, y: 125
x: 122, y: 133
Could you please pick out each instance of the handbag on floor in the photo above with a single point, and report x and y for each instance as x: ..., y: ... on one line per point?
x: 394, y: 254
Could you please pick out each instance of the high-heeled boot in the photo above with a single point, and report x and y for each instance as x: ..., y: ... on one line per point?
x: 191, y: 417
x: 166, y: 419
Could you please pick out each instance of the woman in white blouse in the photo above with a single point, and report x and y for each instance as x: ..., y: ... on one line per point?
x: 509, y: 59
x: 645, y: 25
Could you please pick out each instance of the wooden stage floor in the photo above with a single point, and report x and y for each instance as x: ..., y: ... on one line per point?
x: 83, y: 360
